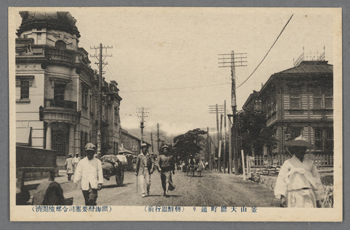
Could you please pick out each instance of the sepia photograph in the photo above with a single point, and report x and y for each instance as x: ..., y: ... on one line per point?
x: 175, y: 114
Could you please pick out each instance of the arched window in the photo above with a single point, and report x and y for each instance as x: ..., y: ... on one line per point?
x: 60, y: 45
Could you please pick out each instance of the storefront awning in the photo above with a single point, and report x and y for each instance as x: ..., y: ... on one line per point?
x: 23, y: 135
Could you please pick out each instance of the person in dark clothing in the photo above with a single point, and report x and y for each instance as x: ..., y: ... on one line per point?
x: 166, y: 167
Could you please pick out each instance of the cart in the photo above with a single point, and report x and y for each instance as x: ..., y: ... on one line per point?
x: 113, y: 165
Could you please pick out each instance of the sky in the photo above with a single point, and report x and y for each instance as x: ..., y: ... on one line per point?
x: 166, y: 59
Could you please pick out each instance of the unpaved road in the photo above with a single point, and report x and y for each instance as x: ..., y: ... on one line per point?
x: 211, y: 189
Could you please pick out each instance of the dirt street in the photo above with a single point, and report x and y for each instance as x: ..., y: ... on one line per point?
x: 211, y: 189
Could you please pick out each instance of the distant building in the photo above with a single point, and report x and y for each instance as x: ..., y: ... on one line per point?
x: 56, y: 88
x: 253, y: 102
x: 130, y: 142
x: 299, y: 101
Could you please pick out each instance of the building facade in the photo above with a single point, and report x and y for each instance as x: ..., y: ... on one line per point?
x: 130, y: 142
x: 57, y: 90
x: 299, y: 101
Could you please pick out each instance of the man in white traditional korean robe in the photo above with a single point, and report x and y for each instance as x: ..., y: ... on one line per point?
x: 298, y: 183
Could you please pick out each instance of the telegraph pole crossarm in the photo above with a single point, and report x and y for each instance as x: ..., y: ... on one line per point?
x: 100, y: 58
x: 236, y: 60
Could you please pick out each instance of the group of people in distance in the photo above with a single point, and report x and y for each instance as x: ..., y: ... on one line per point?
x: 71, y: 165
x: 145, y: 165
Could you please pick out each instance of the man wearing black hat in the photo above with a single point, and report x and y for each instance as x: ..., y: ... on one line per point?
x: 166, y: 166
x: 144, y: 169
x: 298, y: 183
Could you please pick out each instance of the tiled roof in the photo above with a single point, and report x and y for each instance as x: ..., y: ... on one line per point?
x: 310, y: 67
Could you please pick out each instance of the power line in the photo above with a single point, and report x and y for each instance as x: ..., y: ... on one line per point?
x: 266, y: 53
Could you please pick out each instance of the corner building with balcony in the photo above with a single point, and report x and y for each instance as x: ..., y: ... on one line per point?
x: 299, y: 101
x: 56, y: 89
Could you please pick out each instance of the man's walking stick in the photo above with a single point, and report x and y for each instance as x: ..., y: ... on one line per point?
x: 137, y: 184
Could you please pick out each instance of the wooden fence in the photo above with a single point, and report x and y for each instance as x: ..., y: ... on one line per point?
x: 320, y: 160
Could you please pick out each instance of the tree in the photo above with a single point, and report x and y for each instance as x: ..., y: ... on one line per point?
x: 253, y: 133
x: 189, y: 143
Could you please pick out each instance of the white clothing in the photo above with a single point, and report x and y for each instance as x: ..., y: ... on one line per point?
x: 89, y: 172
x: 122, y: 159
x: 296, y: 175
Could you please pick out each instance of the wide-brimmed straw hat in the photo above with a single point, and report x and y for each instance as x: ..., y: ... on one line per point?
x: 300, y: 142
x: 144, y: 145
x: 165, y: 146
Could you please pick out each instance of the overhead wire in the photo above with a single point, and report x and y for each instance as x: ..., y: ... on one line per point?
x: 266, y: 53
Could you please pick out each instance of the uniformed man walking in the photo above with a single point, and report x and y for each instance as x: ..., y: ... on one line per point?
x: 166, y: 167
x: 144, y: 169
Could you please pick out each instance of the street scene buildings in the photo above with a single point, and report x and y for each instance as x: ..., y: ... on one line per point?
x: 57, y: 91
x: 137, y: 117
x: 298, y: 101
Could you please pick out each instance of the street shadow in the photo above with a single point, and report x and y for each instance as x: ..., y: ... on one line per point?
x: 115, y: 185
x: 168, y: 196
x: 154, y: 195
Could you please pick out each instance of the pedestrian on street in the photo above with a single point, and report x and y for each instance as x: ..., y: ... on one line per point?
x: 166, y: 167
x: 75, y: 162
x: 69, y: 166
x: 89, y: 172
x: 298, y: 183
x: 144, y: 169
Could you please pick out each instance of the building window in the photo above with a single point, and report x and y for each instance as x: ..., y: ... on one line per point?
x: 59, y: 90
x: 318, y: 138
x: 329, y: 142
x: 83, y: 142
x: 324, y: 139
x: 39, y: 36
x: 328, y: 98
x: 295, y: 93
x: 318, y: 98
x: 84, y: 95
x: 24, y: 89
x: 61, y: 45
x: 323, y: 98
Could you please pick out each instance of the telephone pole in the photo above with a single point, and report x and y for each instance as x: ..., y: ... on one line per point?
x: 224, y: 155
x: 142, y: 115
x: 100, y: 58
x: 233, y: 60
x: 216, y: 109
x: 152, y: 142
x: 158, y: 138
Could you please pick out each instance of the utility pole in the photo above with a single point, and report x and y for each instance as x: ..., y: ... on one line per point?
x: 208, y: 148
x: 100, y: 58
x: 216, y: 109
x: 152, y: 142
x: 220, y: 143
x: 158, y: 138
x: 142, y: 115
x: 224, y: 137
x: 229, y: 168
x: 234, y: 61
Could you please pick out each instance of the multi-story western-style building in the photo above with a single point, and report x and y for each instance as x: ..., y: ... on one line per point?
x: 299, y: 101
x: 57, y: 90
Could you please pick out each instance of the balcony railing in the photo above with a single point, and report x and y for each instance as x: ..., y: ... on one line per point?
x: 62, y: 55
x: 60, y: 104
